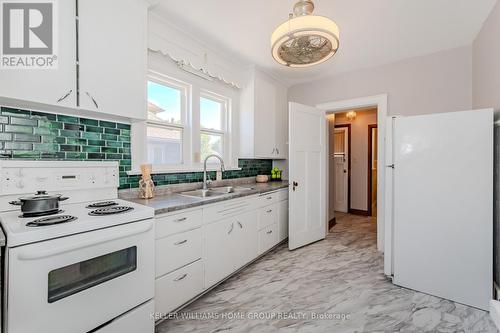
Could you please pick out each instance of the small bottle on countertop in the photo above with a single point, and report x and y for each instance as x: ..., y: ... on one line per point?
x: 146, y: 185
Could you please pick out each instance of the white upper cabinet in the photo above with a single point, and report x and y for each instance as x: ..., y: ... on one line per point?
x: 113, y: 56
x: 263, y: 120
x: 48, y: 86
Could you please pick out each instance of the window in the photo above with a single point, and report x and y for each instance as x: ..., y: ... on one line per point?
x: 166, y: 121
x: 185, y: 123
x: 164, y: 145
x: 213, y: 125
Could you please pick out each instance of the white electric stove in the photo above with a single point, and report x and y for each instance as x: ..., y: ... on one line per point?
x: 88, y: 267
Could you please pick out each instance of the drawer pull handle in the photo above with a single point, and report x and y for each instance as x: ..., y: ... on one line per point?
x: 269, y: 232
x: 269, y: 211
x: 241, y: 225
x: 269, y: 198
x: 181, y: 242
x: 181, y: 277
x: 231, y: 230
x: 181, y: 219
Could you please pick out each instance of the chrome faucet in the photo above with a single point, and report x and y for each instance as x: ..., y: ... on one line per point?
x: 205, y: 182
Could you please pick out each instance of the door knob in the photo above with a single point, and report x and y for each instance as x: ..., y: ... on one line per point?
x: 294, y: 184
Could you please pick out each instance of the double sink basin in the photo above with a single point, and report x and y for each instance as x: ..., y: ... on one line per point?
x: 216, y: 191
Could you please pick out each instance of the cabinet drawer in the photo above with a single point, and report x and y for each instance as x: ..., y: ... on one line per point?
x: 268, y: 237
x: 228, y: 208
x: 176, y: 288
x: 177, y: 250
x: 267, y: 199
x: 172, y: 224
x: 268, y: 215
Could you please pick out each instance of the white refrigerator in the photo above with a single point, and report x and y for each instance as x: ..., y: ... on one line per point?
x: 441, y: 205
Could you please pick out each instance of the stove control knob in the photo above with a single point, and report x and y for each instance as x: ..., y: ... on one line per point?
x: 20, y: 184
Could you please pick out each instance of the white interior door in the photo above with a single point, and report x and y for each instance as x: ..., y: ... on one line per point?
x: 443, y: 205
x: 341, y: 160
x: 307, y: 167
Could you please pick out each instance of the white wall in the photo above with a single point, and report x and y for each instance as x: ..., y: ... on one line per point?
x: 434, y: 83
x: 486, y: 63
x: 359, y: 155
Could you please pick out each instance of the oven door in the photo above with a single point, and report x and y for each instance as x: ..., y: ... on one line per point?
x: 77, y: 283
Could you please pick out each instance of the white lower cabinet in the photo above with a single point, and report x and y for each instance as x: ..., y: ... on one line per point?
x: 178, y: 287
x: 196, y: 249
x: 282, y: 220
x: 219, y: 250
x: 245, y: 238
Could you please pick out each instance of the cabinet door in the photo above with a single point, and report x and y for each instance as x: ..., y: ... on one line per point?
x: 219, y: 250
x: 113, y: 56
x: 282, y: 220
x: 264, y: 118
x: 281, y: 126
x: 246, y: 238
x: 49, y: 85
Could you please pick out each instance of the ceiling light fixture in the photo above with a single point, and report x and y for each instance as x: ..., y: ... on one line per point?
x: 351, y: 115
x: 305, y: 39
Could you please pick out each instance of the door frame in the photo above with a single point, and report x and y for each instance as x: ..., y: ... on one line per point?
x: 370, y: 155
x: 348, y: 126
x: 381, y: 103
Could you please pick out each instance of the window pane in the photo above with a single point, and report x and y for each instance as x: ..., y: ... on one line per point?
x: 164, y: 145
x: 211, y: 144
x: 210, y: 114
x: 164, y: 103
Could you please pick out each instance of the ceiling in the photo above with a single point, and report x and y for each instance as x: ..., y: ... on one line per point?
x: 372, y: 32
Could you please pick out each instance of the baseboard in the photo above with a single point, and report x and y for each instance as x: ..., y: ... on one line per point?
x: 331, y: 223
x: 358, y: 212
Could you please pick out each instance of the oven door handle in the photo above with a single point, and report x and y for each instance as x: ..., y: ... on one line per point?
x: 32, y: 255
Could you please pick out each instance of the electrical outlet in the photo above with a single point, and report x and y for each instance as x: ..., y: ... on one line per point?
x: 218, y: 175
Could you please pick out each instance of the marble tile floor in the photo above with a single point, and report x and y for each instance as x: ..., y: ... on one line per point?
x: 335, y: 285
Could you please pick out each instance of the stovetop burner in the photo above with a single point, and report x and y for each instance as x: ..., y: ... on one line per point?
x: 51, y: 220
x: 102, y: 204
x: 110, y: 210
x: 52, y: 212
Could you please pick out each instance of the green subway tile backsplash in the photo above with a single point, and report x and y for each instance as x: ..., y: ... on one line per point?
x: 38, y: 135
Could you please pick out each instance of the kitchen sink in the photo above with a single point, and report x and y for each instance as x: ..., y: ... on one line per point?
x: 216, y: 191
x: 203, y: 193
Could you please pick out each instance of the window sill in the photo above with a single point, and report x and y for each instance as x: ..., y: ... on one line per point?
x: 182, y: 170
